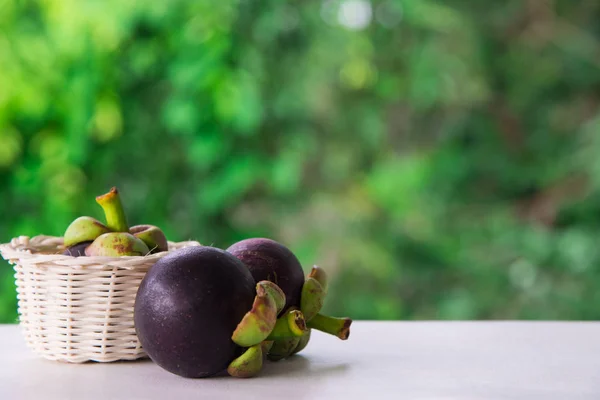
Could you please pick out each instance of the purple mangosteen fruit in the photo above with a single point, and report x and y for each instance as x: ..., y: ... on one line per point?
x: 198, y: 312
x: 268, y: 260
x: 77, y: 250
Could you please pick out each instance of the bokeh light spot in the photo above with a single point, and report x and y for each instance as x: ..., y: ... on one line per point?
x: 108, y: 122
x: 358, y: 74
x: 355, y: 14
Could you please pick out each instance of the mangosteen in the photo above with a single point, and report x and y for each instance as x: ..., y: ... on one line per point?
x: 269, y: 260
x: 77, y: 250
x: 187, y: 307
x: 198, y: 308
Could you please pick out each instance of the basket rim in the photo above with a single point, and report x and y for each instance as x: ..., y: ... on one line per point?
x: 38, y: 250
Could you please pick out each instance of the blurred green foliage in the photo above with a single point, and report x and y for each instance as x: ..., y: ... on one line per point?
x: 441, y: 159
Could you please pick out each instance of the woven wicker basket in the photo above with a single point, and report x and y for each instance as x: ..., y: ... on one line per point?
x: 77, y: 309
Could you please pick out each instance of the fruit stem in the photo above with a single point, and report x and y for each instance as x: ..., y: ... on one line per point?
x: 289, y: 325
x: 339, y: 327
x: 113, y: 211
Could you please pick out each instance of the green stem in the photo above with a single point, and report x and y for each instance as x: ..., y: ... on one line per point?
x: 339, y: 327
x: 290, y: 325
x: 113, y: 211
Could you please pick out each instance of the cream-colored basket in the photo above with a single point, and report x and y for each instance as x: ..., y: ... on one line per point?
x: 77, y: 309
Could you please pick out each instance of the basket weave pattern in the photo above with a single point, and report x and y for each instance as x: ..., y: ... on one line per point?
x: 77, y: 309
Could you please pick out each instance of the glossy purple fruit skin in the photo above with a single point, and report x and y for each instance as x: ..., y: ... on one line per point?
x: 269, y: 260
x: 77, y: 250
x: 187, y: 307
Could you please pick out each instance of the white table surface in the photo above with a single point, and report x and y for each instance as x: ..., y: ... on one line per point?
x: 391, y: 360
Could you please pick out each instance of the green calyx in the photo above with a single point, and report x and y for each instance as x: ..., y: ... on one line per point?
x: 339, y: 327
x: 320, y: 276
x: 117, y: 244
x: 248, y: 364
x: 314, y: 292
x: 303, y: 342
x: 283, y: 348
x: 289, y: 325
x: 266, y: 347
x: 289, y: 334
x: 152, y: 236
x: 84, y: 229
x: 113, y: 239
x: 312, y: 298
x: 113, y: 211
x: 258, y: 323
x: 275, y: 292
